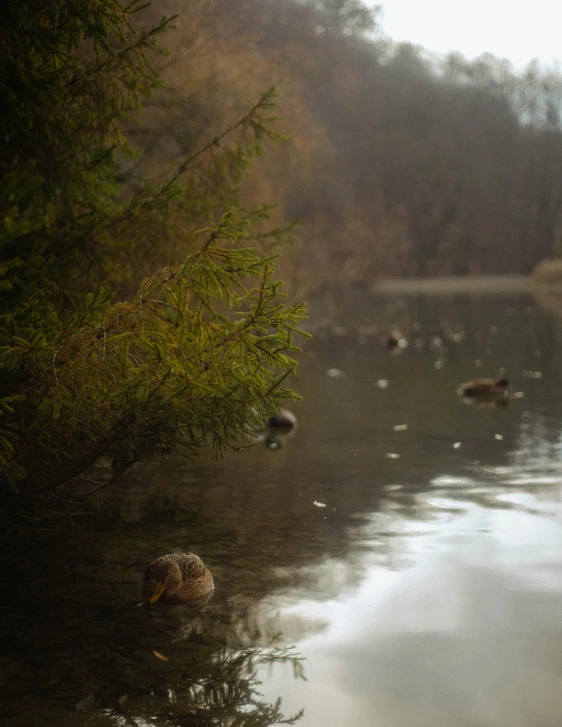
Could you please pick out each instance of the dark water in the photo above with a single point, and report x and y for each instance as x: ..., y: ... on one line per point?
x: 369, y: 575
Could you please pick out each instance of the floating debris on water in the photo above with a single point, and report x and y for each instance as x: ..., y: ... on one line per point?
x: 532, y: 374
x: 438, y: 364
x: 316, y: 503
x: 382, y: 383
x: 400, y: 427
x: 335, y: 373
x: 498, y: 436
x: 456, y: 445
x: 160, y: 656
x: 392, y: 455
x: 518, y: 395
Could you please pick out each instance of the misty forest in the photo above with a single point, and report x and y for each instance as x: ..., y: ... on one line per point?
x: 199, y: 202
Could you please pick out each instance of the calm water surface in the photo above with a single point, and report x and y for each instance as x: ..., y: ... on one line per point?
x: 397, y: 563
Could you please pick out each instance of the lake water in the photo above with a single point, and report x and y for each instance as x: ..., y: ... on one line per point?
x: 397, y: 563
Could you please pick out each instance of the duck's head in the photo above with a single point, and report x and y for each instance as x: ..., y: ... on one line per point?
x: 502, y: 383
x: 161, y: 575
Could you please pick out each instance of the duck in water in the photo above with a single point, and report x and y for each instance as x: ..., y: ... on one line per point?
x: 395, y: 341
x: 177, y: 578
x: 279, y: 428
x: 484, y: 389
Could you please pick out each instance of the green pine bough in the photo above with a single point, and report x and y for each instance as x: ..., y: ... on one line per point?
x: 199, y: 355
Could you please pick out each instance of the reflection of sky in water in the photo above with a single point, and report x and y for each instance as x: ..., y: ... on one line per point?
x: 442, y: 603
x: 458, y: 622
x: 451, y: 611
x: 433, y: 595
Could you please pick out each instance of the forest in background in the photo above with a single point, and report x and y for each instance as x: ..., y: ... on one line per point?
x: 399, y: 163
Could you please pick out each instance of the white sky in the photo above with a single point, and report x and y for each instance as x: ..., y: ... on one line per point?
x: 515, y: 29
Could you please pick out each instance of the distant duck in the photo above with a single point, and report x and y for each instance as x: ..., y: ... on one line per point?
x: 484, y: 389
x: 395, y: 341
x: 177, y: 578
x: 279, y: 428
x: 285, y: 421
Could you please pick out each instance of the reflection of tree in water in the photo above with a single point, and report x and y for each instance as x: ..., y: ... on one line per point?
x: 226, y: 695
x: 185, y: 682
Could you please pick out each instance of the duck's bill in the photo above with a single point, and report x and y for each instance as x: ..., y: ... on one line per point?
x: 158, y: 591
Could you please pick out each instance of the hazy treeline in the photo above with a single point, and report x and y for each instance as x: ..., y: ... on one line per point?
x: 400, y: 163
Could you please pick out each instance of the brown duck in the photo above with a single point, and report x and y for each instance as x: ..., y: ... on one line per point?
x: 177, y: 578
x: 484, y: 389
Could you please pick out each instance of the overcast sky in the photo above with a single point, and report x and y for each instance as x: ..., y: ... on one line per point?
x: 513, y: 29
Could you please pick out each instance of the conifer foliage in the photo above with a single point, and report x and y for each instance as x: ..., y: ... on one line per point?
x: 89, y: 370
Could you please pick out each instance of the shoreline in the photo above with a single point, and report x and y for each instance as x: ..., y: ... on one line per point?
x: 471, y: 284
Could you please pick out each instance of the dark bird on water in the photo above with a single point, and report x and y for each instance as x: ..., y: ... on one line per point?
x: 484, y: 389
x: 395, y: 341
x: 177, y: 578
x: 279, y: 428
x: 285, y: 421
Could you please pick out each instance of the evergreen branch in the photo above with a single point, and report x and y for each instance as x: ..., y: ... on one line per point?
x: 264, y: 100
x: 199, y: 355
